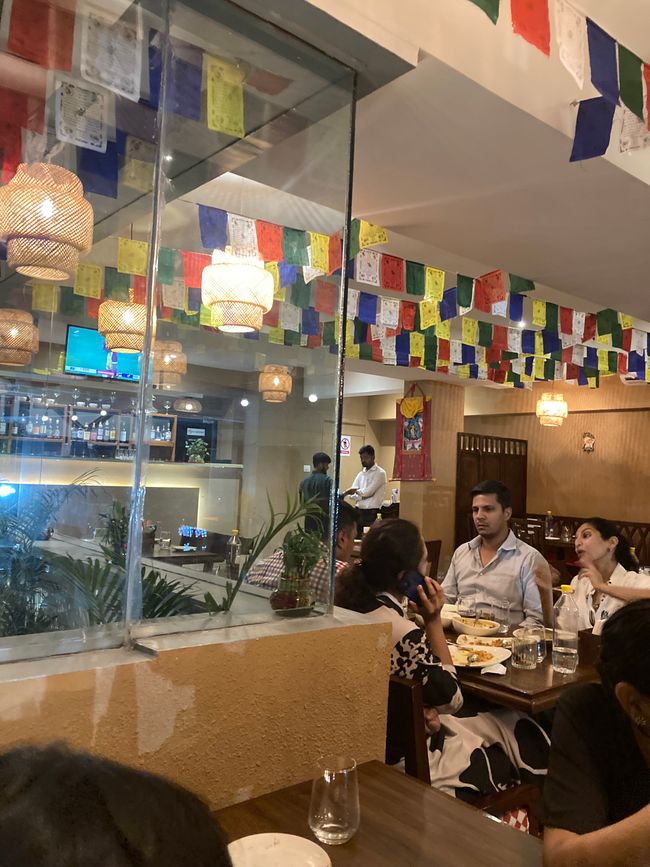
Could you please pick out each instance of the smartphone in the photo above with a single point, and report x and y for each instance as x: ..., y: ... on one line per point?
x: 409, y: 584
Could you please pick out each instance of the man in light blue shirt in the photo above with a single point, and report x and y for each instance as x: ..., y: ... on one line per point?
x: 496, y: 565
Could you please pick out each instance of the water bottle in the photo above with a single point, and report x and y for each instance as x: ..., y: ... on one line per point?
x: 548, y: 525
x: 565, y: 633
x: 233, y: 547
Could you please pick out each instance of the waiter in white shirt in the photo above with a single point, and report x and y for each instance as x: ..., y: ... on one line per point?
x: 369, y: 487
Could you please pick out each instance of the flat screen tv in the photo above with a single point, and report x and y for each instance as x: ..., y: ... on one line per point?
x: 86, y: 355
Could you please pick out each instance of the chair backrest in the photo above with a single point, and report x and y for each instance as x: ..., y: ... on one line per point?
x: 405, y: 734
x: 433, y: 556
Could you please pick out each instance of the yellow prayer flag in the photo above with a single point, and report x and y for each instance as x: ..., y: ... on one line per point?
x: 138, y: 175
x: 319, y: 245
x: 352, y: 350
x: 538, y: 368
x: 429, y: 313
x: 88, y: 280
x: 276, y: 335
x: 593, y: 381
x: 462, y: 371
x: 604, y: 339
x: 205, y: 316
x: 416, y: 344
x: 626, y: 321
x: 274, y: 271
x: 370, y: 235
x: 132, y: 257
x: 470, y: 331
x: 349, y: 331
x: 443, y: 362
x: 434, y: 283
x: 443, y: 330
x: 603, y: 359
x: 526, y: 377
x: 539, y: 343
x: 45, y: 297
x: 539, y: 313
x: 225, y: 101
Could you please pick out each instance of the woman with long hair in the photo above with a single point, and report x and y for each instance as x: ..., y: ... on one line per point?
x: 597, y: 794
x: 609, y: 574
x: 478, y: 753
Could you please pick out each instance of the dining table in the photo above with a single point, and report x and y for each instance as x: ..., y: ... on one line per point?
x: 403, y: 822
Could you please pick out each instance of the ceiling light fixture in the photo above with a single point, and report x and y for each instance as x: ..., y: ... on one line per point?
x: 123, y: 325
x: 45, y: 221
x: 18, y: 337
x: 312, y: 398
x: 169, y: 363
x: 551, y: 409
x: 275, y: 383
x: 188, y: 404
x: 238, y: 290
x: 244, y: 401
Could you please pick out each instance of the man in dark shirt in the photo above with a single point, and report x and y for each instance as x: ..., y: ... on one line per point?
x: 318, y: 484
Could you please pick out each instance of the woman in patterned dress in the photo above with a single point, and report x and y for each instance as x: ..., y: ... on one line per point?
x: 470, y: 753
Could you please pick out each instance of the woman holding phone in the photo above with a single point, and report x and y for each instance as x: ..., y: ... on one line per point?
x: 478, y: 753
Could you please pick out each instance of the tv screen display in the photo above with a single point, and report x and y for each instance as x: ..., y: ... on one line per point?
x: 86, y: 355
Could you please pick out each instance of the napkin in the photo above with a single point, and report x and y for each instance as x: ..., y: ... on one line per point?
x: 497, y: 668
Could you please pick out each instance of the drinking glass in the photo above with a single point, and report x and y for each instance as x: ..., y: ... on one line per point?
x: 501, y: 613
x: 524, y: 649
x: 165, y: 540
x: 540, y: 636
x: 484, y: 611
x: 466, y: 606
x: 334, y: 807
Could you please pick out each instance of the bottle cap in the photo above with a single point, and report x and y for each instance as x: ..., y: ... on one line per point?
x: 566, y: 588
x: 234, y: 532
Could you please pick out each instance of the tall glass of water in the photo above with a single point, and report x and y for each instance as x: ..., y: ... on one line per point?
x: 524, y: 649
x: 334, y: 809
x: 540, y: 634
x: 501, y: 611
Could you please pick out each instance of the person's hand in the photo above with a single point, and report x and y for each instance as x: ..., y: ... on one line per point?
x: 350, y: 491
x: 430, y: 601
x: 588, y: 570
x: 543, y: 574
x: 431, y: 721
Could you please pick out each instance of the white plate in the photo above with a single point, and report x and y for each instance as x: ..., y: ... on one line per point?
x: 446, y: 614
x: 484, y: 641
x: 480, y: 627
x: 277, y: 850
x: 459, y: 655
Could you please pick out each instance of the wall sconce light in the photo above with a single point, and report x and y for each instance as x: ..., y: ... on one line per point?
x: 275, y: 383
x: 188, y: 404
x: 45, y: 221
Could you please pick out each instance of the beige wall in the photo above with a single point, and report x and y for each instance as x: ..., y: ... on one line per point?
x: 228, y: 720
x: 612, y: 482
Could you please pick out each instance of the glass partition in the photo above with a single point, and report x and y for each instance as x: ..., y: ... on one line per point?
x: 173, y: 203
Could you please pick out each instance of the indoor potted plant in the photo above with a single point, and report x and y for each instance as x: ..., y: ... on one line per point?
x: 301, y: 551
x: 197, y: 451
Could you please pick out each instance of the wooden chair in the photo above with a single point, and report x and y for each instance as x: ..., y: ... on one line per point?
x: 433, y: 556
x: 406, y: 738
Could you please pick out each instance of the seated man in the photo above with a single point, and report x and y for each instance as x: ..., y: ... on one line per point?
x: 498, y: 565
x: 265, y: 573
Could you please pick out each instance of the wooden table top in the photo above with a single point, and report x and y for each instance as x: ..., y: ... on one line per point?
x: 403, y: 822
x: 529, y: 691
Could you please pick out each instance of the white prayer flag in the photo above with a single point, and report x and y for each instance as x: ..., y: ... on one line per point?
x: 81, y: 114
x: 353, y: 303
x: 368, y: 265
x: 243, y: 236
x: 389, y: 312
x: 514, y: 340
x: 289, y: 317
x: 571, y: 35
x: 635, y: 135
x: 578, y: 323
x: 111, y: 52
x: 456, y: 352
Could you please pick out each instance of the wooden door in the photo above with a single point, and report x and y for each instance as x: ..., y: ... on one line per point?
x: 479, y: 458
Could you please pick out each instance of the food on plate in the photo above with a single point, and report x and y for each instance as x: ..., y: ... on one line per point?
x: 485, y: 641
x: 470, y: 656
x: 481, y: 624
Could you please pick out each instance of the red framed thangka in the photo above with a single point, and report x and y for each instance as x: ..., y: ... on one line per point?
x: 413, y: 437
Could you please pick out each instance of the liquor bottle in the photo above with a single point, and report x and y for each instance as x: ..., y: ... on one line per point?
x: 100, y: 432
x: 14, y: 427
x: 36, y: 427
x: 168, y: 432
x: 123, y: 432
x: 86, y: 434
x: 21, y: 424
x: 57, y: 429
x: 29, y: 427
x: 112, y: 432
x: 3, y: 426
x: 49, y: 431
x: 93, y: 433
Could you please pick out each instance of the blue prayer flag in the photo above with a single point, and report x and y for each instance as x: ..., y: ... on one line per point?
x: 368, y: 308
x: 310, y: 321
x: 213, y: 223
x: 516, y: 307
x: 448, y: 307
x: 593, y: 129
x: 604, y: 65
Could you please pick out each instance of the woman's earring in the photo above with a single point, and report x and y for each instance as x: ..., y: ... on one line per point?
x: 639, y: 720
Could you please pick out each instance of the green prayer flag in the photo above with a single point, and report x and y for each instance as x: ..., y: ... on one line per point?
x: 631, y: 84
x: 484, y: 334
x: 606, y: 321
x: 355, y: 226
x: 464, y: 290
x: 294, y: 246
x: 416, y: 320
x: 490, y: 7
x: 519, y: 285
x: 508, y: 356
x: 360, y: 331
x: 430, y: 349
x: 590, y: 372
x: 166, y: 265
x: 511, y: 376
x: 549, y: 369
x: 414, y: 278
x: 116, y: 285
x: 556, y: 356
x: 71, y: 304
x: 365, y: 352
x: 301, y: 293
x: 552, y: 314
x: 180, y: 317
x: 617, y: 336
x: 612, y: 362
x: 329, y: 333
x: 291, y: 338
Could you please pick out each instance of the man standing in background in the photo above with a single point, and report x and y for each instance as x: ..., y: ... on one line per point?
x: 318, y: 485
x: 369, y: 487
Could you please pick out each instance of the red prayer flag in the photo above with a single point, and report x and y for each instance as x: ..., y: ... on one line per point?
x: 272, y: 318
x: 335, y: 253
x: 444, y: 350
x: 193, y: 265
x: 139, y: 286
x: 392, y: 273
x: 622, y: 362
x: 165, y: 314
x: 492, y: 287
x: 407, y: 313
x: 500, y: 336
x: 492, y: 354
x: 443, y: 368
x: 567, y: 355
x: 531, y: 21
x: 92, y: 306
x: 414, y: 361
x: 590, y: 327
x: 377, y: 354
x: 481, y: 301
x: 11, y: 150
x: 627, y: 339
x: 497, y: 375
x: 566, y: 320
x: 42, y: 32
x: 572, y: 371
x: 269, y: 241
x: 325, y: 297
x: 315, y: 340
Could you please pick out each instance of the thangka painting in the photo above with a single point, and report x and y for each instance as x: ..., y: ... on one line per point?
x: 413, y: 438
